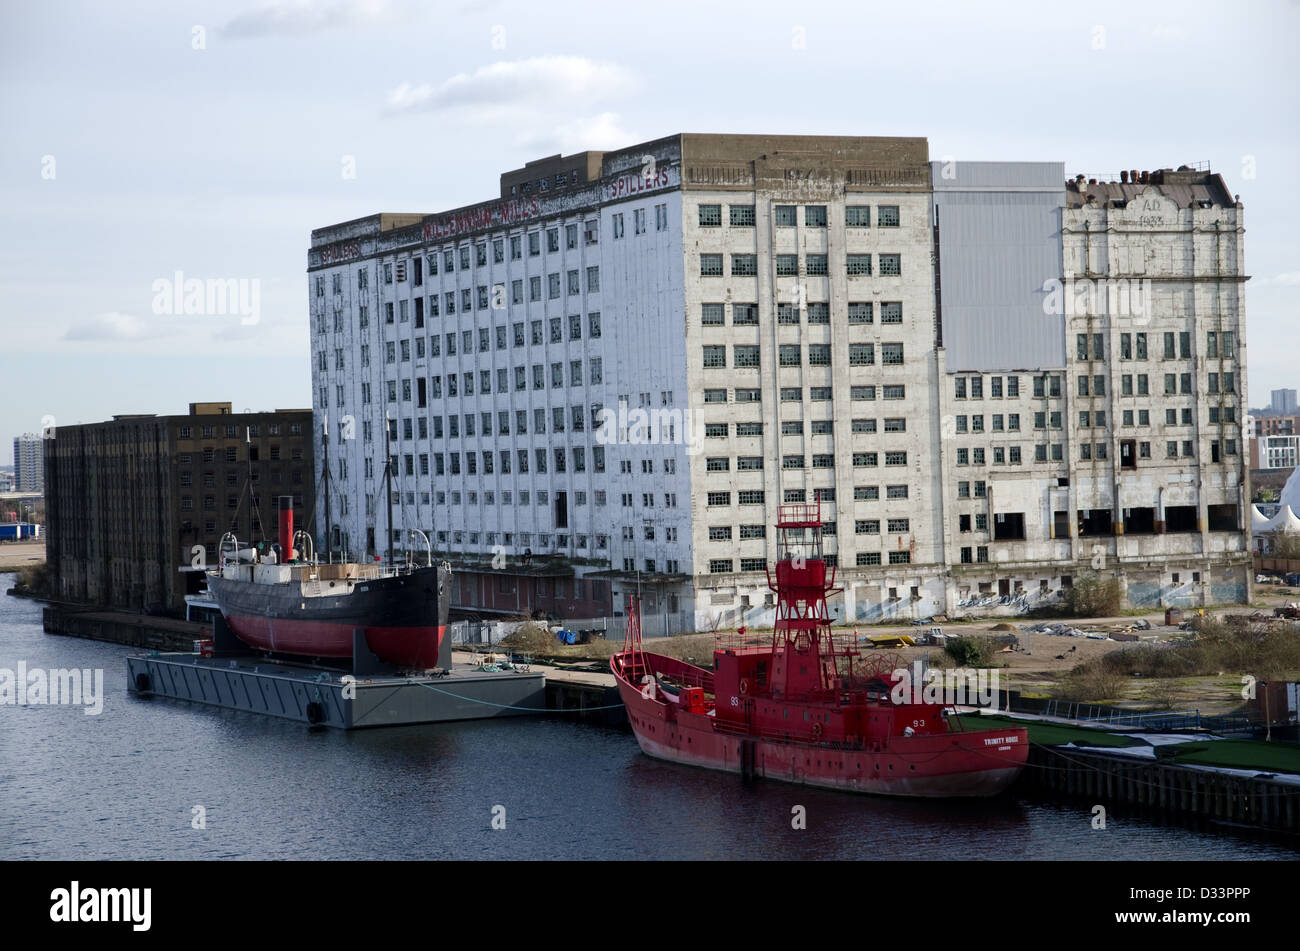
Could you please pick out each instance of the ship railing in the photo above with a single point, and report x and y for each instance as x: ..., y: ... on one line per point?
x: 741, y: 729
x: 741, y: 639
x: 843, y: 643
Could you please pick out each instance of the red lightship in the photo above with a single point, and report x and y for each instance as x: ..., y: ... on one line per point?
x: 806, y: 709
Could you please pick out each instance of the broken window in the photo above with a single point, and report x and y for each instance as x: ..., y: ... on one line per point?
x: 1009, y: 526
x: 1222, y: 518
x: 1094, y: 522
x: 1140, y: 521
x: 1180, y: 518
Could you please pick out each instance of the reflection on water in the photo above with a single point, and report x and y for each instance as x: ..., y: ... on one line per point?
x: 124, y: 785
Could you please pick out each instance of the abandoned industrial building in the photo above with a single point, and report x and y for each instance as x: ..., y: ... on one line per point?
x: 993, y: 379
x: 138, y: 504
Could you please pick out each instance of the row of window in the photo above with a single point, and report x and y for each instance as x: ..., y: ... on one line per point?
x: 819, y: 312
x: 233, y: 477
x: 231, y: 454
x: 864, y: 559
x: 639, y: 221
x: 794, y: 394
x: 1142, y: 417
x: 1002, y: 455
x: 232, y: 501
x: 511, y: 337
x: 746, y: 265
x: 1177, y: 345
x: 419, y: 427
x: 448, y: 258
x: 557, y: 458
x: 787, y: 216
x: 1010, y: 422
x: 817, y: 427
x: 791, y: 354
x: 254, y: 431
x: 967, y: 386
x: 482, y: 298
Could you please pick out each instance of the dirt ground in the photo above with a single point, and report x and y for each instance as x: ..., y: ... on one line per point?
x: 16, y: 554
x: 1036, y: 667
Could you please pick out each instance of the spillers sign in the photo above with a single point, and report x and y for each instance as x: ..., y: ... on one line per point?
x: 649, y: 178
x: 336, y: 253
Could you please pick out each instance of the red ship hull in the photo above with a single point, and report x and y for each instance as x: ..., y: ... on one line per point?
x: 415, y: 647
x: 933, y: 765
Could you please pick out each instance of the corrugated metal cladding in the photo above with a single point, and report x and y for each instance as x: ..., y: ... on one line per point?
x: 999, y: 242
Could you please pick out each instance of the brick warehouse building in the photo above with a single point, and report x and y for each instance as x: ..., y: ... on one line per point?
x: 796, y: 318
x: 128, y: 499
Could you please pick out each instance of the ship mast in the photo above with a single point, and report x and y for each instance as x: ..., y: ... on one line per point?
x: 329, y: 541
x: 388, y: 476
x: 803, y: 650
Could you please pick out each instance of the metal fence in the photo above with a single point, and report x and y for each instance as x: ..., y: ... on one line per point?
x: 610, y: 628
x: 1173, y: 721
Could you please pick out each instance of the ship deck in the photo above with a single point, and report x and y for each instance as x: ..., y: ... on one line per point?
x: 322, y: 696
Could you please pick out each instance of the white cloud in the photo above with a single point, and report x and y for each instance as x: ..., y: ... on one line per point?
x: 1287, y: 279
x: 540, y: 82
x: 113, y: 325
x: 598, y: 132
x: 301, y: 17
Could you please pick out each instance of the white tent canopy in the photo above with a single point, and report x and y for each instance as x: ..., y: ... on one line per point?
x: 1258, y: 520
x: 1285, y: 522
x: 1291, y: 492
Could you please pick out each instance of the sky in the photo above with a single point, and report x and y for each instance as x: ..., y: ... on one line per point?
x: 138, y: 140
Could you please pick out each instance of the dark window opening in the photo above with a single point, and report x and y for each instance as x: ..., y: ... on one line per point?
x: 1223, y: 518
x: 1128, y: 454
x: 1061, y: 524
x: 1067, y: 582
x: 1009, y: 526
x: 1004, y: 588
x: 1180, y: 518
x: 561, y: 510
x: 1094, y: 522
x: 1140, y: 521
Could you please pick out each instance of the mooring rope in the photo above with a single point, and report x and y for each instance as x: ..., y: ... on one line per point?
x: 511, y: 706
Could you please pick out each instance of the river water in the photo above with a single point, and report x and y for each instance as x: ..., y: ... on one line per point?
x: 125, y: 784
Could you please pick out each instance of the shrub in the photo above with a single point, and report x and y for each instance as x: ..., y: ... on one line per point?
x: 1286, y: 546
x: 1091, y: 681
x: 1164, y: 694
x: 531, y: 636
x: 34, y: 578
x: 1092, y: 595
x: 969, y: 651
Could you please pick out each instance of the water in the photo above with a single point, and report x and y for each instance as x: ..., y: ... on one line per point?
x: 123, y: 785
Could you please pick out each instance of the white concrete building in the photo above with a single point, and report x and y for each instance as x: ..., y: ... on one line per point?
x: 624, y: 364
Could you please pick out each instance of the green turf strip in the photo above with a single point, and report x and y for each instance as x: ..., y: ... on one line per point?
x: 1051, y: 734
x: 1238, y: 754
